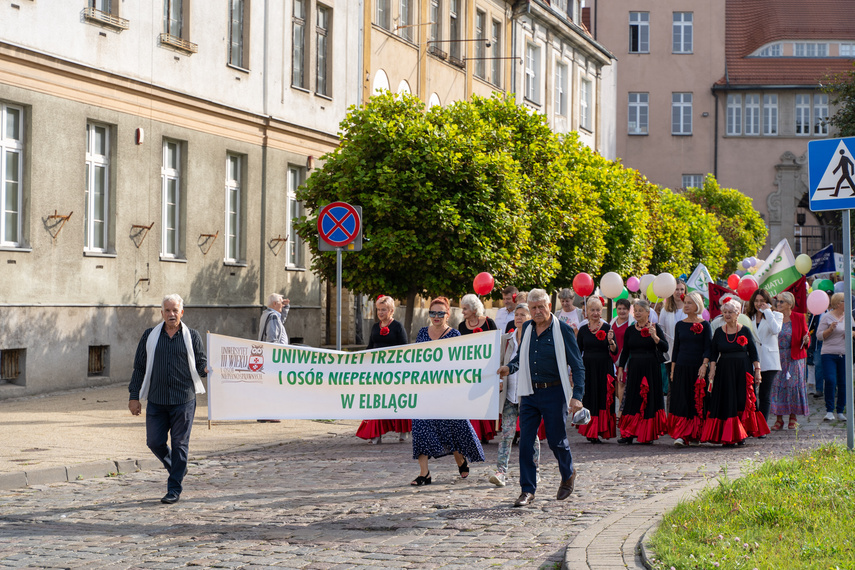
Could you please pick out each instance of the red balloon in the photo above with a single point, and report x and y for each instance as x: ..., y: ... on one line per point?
x: 483, y: 283
x: 733, y: 281
x: 747, y: 286
x: 583, y: 284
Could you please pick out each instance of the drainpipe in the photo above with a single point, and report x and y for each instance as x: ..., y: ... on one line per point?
x: 715, y: 136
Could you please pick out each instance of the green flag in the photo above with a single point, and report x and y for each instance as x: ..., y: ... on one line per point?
x: 779, y: 270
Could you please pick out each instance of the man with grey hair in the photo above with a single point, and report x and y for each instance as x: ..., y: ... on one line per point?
x: 272, y: 325
x: 168, y: 370
x: 547, y: 348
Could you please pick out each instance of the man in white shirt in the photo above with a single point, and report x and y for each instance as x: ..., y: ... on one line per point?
x: 505, y: 314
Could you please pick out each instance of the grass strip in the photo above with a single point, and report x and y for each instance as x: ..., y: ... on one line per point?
x: 796, y: 512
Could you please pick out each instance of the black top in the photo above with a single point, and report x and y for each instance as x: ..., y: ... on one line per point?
x: 489, y: 325
x: 728, y: 345
x: 638, y: 346
x: 171, y: 383
x: 396, y: 336
x: 588, y: 342
x: 689, y: 346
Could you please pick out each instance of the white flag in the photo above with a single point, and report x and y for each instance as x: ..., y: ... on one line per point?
x: 698, y: 281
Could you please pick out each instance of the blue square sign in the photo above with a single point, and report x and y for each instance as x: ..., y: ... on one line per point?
x: 832, y: 174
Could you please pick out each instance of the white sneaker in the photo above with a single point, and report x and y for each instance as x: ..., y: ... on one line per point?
x: 679, y: 442
x: 499, y: 479
x: 829, y: 417
x: 376, y: 440
x: 841, y: 417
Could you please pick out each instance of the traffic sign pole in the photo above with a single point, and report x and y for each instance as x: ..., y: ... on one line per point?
x: 338, y: 298
x: 847, y: 281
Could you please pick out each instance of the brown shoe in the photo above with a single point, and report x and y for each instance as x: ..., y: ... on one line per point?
x: 566, y: 487
x: 524, y: 500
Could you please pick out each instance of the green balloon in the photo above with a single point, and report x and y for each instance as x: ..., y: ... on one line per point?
x: 623, y: 295
x: 825, y: 285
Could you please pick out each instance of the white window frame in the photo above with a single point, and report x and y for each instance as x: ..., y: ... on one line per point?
x: 681, y: 114
x: 773, y: 50
x: 455, y: 28
x: 173, y: 18
x: 95, y: 161
x: 770, y: 115
x: 810, y: 49
x: 383, y: 14
x: 294, y: 254
x: 435, y: 15
x: 586, y: 92
x: 237, y: 30
x: 752, y: 114
x: 693, y: 181
x: 532, y: 72
x: 170, y: 173
x: 323, y: 46
x: 496, y: 63
x: 802, y: 114
x: 105, y: 6
x: 233, y: 188
x: 847, y: 50
x: 682, y: 37
x: 299, y: 23
x: 480, y: 47
x: 405, y: 17
x: 638, y: 114
x: 734, y: 115
x: 561, y: 88
x: 820, y: 113
x: 11, y: 146
x: 639, y: 23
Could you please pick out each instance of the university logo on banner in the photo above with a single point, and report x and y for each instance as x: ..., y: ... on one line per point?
x: 699, y: 281
x: 779, y: 271
x: 256, y: 358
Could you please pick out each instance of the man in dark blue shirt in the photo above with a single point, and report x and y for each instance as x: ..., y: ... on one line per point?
x: 168, y: 370
x: 548, y: 347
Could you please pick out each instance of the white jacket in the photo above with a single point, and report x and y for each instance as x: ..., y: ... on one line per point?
x: 767, y: 340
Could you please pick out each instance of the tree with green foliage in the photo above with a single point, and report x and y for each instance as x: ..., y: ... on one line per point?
x: 739, y: 224
x: 841, y: 90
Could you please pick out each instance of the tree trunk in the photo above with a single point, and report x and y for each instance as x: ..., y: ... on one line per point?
x: 408, y: 317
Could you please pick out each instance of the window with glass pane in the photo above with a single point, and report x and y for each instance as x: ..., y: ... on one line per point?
x: 847, y: 50
x: 171, y: 179
x: 810, y: 49
x: 102, y: 5
x: 11, y: 184
x: 436, y: 18
x: 693, y: 181
x: 173, y: 20
x: 480, y: 47
x: 298, y: 44
x: 496, y: 64
x: 774, y: 50
x: 532, y: 68
x: 638, y: 113
x: 295, y: 211
x: 681, y: 113
x: 803, y: 114
x: 560, y: 89
x: 682, y: 32
x: 233, y: 198
x: 639, y: 32
x: 585, y: 100
x: 820, y: 114
x: 770, y: 115
x: 383, y: 15
x: 734, y: 115
x: 236, y: 29
x: 323, y: 56
x: 406, y: 19
x: 96, y: 195
x: 454, y: 25
x: 752, y: 114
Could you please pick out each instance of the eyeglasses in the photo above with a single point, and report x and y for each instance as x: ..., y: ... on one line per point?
x: 434, y: 314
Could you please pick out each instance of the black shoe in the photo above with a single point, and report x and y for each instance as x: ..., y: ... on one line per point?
x: 170, y: 498
x: 819, y: 396
x: 566, y: 487
x: 464, y: 469
x: 421, y: 480
x: 626, y: 440
x: 594, y: 440
x: 524, y: 499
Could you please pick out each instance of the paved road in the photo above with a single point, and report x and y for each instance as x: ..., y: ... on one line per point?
x: 334, y: 501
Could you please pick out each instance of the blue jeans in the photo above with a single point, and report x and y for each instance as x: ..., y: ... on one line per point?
x: 176, y: 422
x: 550, y: 405
x: 818, y: 369
x: 834, y: 367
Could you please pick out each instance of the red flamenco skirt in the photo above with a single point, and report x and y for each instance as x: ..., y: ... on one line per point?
x: 643, y: 429
x: 752, y: 419
x: 369, y: 429
x: 689, y: 428
x: 602, y: 425
x: 484, y: 429
x: 727, y: 431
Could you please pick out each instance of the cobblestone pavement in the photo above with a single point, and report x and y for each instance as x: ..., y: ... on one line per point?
x: 338, y: 502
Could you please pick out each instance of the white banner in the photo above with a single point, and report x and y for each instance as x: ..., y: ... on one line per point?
x: 698, y: 281
x: 445, y: 379
x: 779, y: 270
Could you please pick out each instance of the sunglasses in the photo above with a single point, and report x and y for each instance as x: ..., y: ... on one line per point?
x: 433, y: 314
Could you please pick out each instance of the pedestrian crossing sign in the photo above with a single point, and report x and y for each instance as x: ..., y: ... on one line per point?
x: 831, y: 164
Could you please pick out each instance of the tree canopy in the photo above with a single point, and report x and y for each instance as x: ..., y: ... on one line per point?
x: 841, y: 89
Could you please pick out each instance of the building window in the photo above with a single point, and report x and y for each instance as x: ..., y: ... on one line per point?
x: 454, y: 26
x: 774, y: 50
x: 693, y: 181
x: 802, y: 114
x: 173, y: 18
x: 12, y: 366
x: 406, y: 19
x: 585, y: 108
x: 820, y: 114
x: 682, y: 32
x: 323, y: 60
x: 97, y: 193
x: 237, y: 33
x: 171, y: 181
x: 560, y: 89
x: 811, y: 49
x: 436, y: 18
x: 383, y: 15
x: 847, y: 50
x: 770, y: 115
x: 532, y: 73
x: 752, y: 114
x: 496, y: 64
x: 681, y: 113
x: 734, y: 115
x: 298, y: 46
x: 105, y: 6
x: 294, y: 257
x: 638, y: 113
x: 11, y: 174
x: 99, y: 361
x: 639, y: 32
x: 480, y: 47
x: 233, y: 207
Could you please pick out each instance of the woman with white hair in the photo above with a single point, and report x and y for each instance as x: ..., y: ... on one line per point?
x: 732, y: 358
x: 599, y: 374
x: 474, y: 321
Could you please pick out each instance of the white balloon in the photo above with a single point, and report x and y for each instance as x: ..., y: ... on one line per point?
x: 839, y: 287
x: 664, y: 285
x: 646, y: 280
x: 611, y: 285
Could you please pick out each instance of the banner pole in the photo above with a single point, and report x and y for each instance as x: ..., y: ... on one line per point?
x: 338, y: 298
x: 847, y: 287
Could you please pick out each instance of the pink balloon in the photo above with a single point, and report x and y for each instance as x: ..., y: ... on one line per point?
x: 483, y: 283
x: 633, y: 283
x: 705, y: 315
x: 817, y: 302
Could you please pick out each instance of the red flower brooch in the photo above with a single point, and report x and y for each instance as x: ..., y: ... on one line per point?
x: 645, y: 332
x: 514, y: 297
x: 477, y: 330
x: 601, y: 335
x: 384, y: 331
x: 741, y: 341
x: 512, y: 330
x: 697, y: 328
x: 682, y: 296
